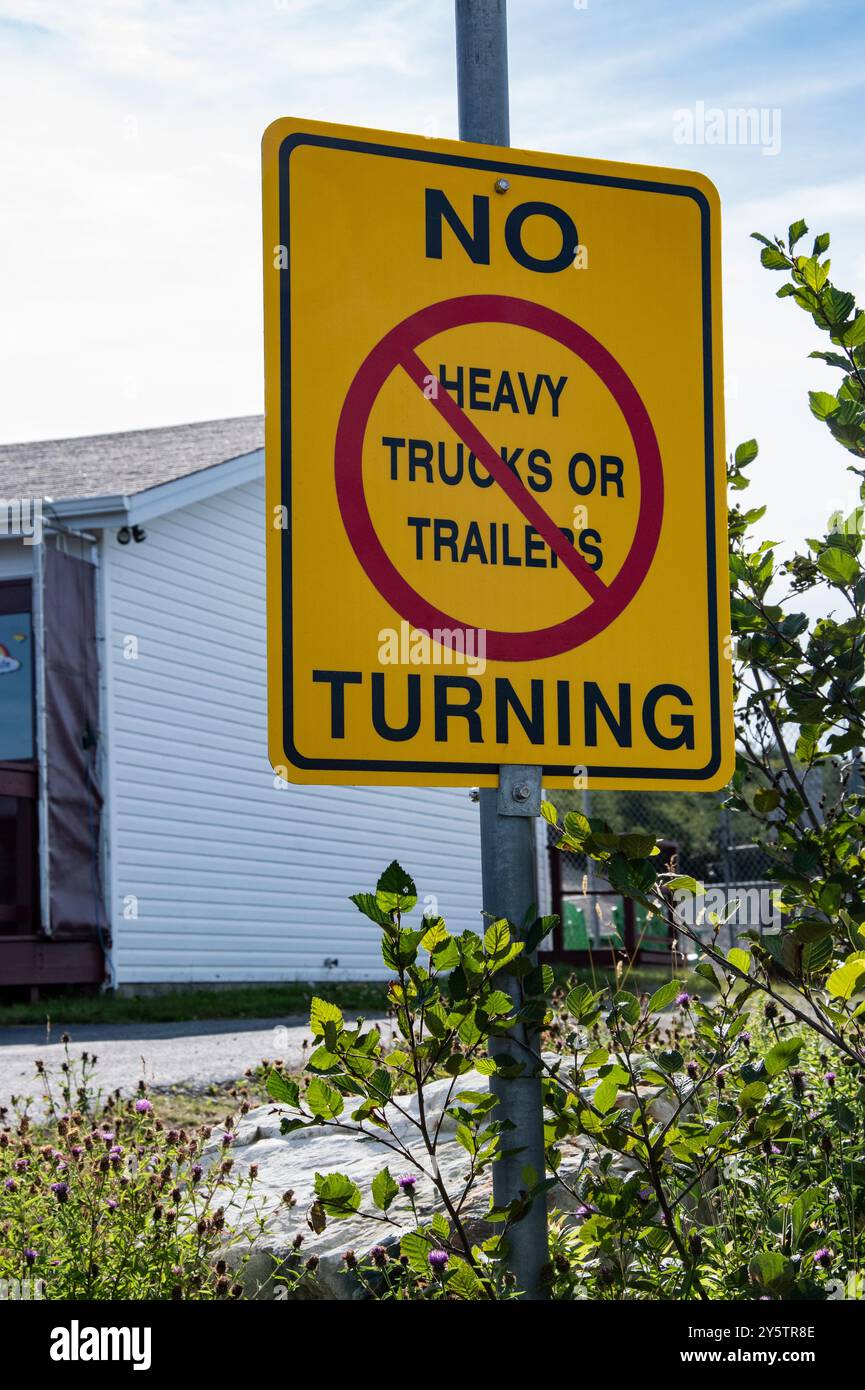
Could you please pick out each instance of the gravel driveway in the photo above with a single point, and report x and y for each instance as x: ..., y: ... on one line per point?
x: 165, y: 1054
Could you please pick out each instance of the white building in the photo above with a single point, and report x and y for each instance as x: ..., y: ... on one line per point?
x: 143, y: 834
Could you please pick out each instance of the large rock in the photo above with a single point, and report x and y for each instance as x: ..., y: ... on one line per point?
x: 291, y: 1162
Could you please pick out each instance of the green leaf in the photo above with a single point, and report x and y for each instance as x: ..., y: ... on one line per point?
x: 772, y: 1271
x: 436, y: 934
x: 746, y: 453
x: 844, y: 981
x: 462, y: 1282
x: 664, y: 996
x: 684, y: 883
x: 823, y: 404
x: 497, y: 1003
x: 384, y: 1189
x: 773, y: 259
x: 838, y: 565
x: 854, y: 336
x: 337, y: 1194
x: 577, y: 825
x: 783, y: 1055
x: 416, y: 1247
x: 497, y: 938
x: 324, y: 1102
x: 739, y: 958
x: 549, y: 812
x: 322, y: 1012
x: 605, y: 1094
x: 796, y: 233
x: 395, y: 890
x: 637, y: 846
x: 366, y: 903
x: 766, y: 799
x: 281, y: 1089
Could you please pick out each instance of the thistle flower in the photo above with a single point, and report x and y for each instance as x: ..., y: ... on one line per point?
x: 11, y: 1185
x: 797, y: 1081
x: 143, y: 1107
x: 408, y: 1182
x: 683, y: 999
x: 830, y: 1078
x: 823, y: 1257
x: 378, y: 1255
x: 61, y: 1191
x: 349, y: 1259
x: 31, y: 1256
x: 693, y: 1069
x: 438, y: 1260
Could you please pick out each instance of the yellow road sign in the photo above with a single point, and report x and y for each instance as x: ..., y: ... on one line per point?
x: 495, y: 465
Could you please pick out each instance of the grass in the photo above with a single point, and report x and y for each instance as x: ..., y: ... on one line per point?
x: 184, y: 1006
x: 255, y: 1001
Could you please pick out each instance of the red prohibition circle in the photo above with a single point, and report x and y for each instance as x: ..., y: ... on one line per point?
x: 398, y: 349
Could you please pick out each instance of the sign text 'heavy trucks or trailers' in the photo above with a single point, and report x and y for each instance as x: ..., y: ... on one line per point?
x: 495, y: 465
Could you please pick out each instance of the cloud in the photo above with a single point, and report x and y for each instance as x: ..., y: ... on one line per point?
x: 130, y: 223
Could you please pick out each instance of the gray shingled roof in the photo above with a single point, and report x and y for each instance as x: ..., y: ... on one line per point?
x: 103, y: 465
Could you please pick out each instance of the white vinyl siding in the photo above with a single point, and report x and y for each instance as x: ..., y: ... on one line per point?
x: 234, y: 877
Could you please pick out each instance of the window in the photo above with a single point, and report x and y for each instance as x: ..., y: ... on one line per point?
x: 16, y: 686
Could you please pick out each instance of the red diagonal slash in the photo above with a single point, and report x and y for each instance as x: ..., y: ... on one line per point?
x: 495, y: 465
x: 398, y: 348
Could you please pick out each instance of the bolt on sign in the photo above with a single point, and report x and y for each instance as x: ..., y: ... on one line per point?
x: 495, y: 465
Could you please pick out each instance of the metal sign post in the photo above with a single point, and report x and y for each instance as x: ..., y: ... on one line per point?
x: 508, y: 856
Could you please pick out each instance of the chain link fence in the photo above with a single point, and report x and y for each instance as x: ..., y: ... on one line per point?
x: 698, y: 837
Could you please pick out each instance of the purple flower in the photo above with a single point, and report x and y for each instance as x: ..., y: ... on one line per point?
x: 693, y: 1070
x: 745, y: 1036
x: 583, y: 1210
x: 21, y: 1165
x: 61, y: 1191
x: 645, y: 1194
x: 683, y: 999
x: 11, y: 1185
x: 112, y: 1204
x: 408, y: 1182
x: 438, y: 1259
x: 143, y: 1107
x: 823, y: 1257
x: 31, y: 1256
x: 830, y: 1078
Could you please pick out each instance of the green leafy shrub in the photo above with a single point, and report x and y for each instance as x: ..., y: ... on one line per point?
x: 452, y: 997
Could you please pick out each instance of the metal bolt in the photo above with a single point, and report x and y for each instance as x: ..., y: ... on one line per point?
x: 502, y: 185
x: 522, y: 791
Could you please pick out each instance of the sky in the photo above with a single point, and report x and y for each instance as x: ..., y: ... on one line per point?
x: 130, y: 277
